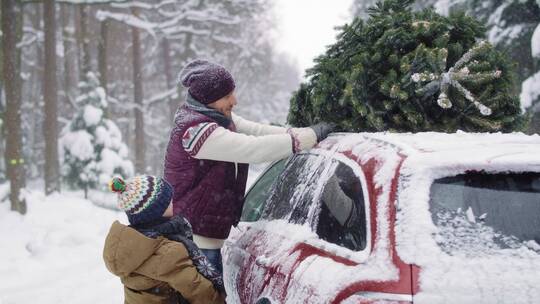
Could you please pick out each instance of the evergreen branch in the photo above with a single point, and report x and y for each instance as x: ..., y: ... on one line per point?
x: 470, y: 54
x: 469, y: 96
x: 456, y: 74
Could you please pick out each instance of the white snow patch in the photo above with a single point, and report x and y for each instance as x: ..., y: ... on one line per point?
x: 498, y: 32
x: 530, y: 91
x: 92, y: 115
x: 79, y: 144
x: 470, y: 215
x: 535, y: 42
x: 128, y: 19
x: 54, y: 252
x: 442, y: 7
x: 110, y: 162
x: 533, y: 245
x: 5, y: 190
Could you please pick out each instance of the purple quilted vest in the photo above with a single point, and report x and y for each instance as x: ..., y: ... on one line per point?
x: 210, y: 194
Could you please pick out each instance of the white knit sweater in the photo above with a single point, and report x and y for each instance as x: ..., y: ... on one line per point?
x: 251, y: 143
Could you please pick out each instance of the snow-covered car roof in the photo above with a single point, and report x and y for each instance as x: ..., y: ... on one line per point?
x: 432, y: 149
x: 510, y: 275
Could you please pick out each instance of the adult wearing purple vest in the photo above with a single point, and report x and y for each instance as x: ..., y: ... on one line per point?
x: 210, y: 148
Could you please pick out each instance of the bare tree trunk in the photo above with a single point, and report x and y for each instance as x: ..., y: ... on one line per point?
x: 138, y: 98
x: 34, y: 90
x: 84, y: 45
x: 102, y: 54
x: 11, y: 75
x: 189, y: 53
x: 2, y: 112
x: 69, y: 51
x: 50, y: 128
x: 102, y: 58
x: 173, y: 104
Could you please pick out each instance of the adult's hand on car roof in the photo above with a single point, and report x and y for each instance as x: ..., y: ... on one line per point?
x: 322, y: 129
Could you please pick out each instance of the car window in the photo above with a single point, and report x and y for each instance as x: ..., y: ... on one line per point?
x: 278, y: 205
x: 295, y: 190
x: 480, y: 212
x: 259, y: 192
x: 316, y: 186
x: 342, y: 217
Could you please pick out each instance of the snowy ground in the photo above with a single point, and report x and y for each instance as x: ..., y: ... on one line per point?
x: 54, y: 252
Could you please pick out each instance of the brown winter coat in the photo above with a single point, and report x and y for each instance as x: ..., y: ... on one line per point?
x: 151, y: 268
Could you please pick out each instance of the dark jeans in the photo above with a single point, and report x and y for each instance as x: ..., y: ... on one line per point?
x: 214, y: 255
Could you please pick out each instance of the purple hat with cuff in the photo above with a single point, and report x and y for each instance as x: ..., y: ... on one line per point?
x: 207, y: 82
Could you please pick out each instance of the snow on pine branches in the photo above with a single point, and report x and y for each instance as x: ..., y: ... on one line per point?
x: 91, y: 146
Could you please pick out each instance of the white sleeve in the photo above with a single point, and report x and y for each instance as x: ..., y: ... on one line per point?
x: 210, y: 141
x: 253, y: 128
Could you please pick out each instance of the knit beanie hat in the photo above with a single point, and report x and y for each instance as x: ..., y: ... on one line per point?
x: 206, y: 81
x: 144, y: 198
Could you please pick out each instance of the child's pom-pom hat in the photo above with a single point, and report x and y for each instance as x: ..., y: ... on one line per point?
x: 144, y: 198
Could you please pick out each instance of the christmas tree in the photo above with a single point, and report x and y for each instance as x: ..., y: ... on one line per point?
x: 410, y: 71
x: 91, y: 146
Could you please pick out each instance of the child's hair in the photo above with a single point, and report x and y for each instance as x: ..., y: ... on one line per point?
x: 144, y: 198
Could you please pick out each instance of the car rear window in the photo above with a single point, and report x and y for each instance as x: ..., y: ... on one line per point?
x: 480, y: 212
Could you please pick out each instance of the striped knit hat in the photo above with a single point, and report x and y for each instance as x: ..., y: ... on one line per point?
x: 144, y: 198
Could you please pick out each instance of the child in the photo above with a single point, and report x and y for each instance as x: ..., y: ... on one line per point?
x: 155, y: 256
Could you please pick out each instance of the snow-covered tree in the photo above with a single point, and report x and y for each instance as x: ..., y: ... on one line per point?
x: 92, y: 150
x: 530, y: 88
x: 511, y: 24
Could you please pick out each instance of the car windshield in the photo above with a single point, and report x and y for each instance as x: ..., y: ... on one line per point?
x: 479, y: 213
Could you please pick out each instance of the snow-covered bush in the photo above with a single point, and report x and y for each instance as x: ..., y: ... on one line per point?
x: 530, y: 88
x: 91, y: 146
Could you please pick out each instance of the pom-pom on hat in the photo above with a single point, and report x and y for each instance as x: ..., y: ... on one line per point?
x: 144, y: 198
x: 206, y: 81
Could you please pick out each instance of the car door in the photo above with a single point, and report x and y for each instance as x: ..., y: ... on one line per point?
x: 337, y: 215
x: 236, y: 258
x: 297, y: 224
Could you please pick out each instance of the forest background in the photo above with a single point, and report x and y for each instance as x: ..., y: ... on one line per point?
x: 88, y: 87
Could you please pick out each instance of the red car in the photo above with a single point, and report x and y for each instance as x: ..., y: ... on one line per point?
x: 393, y: 218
